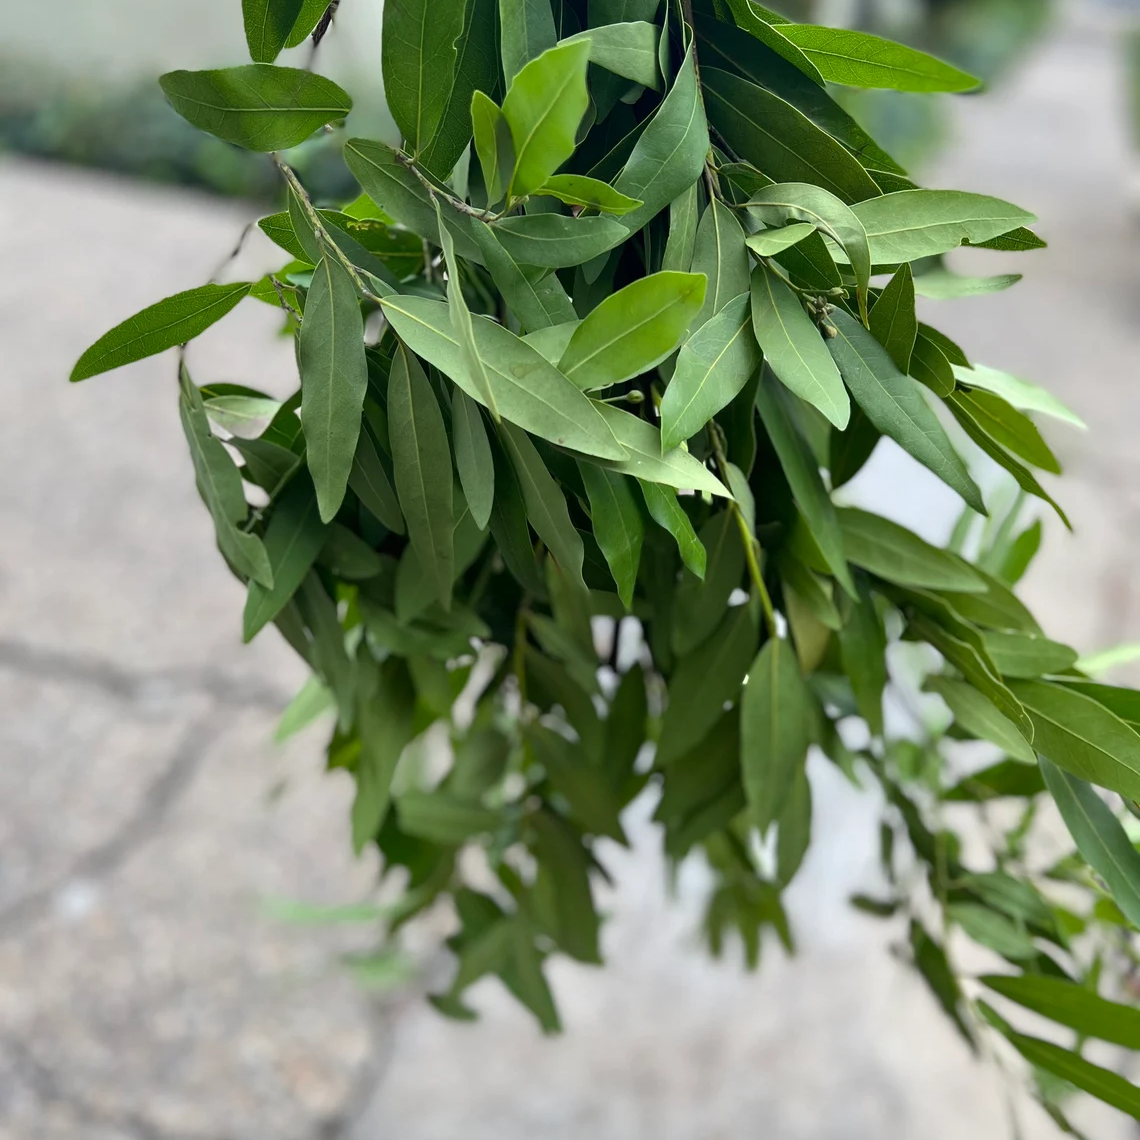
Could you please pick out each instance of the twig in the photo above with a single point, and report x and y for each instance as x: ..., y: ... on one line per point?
x: 435, y: 192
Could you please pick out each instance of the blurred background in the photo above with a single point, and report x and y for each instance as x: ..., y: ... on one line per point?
x: 160, y: 978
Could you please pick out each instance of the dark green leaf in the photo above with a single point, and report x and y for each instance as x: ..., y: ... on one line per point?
x: 668, y: 513
x: 535, y: 296
x: 1001, y: 421
x: 894, y: 323
x: 1026, y: 656
x: 563, y: 882
x: 473, y: 458
x: 267, y: 26
x: 443, y: 818
x: 1007, y: 778
x: 527, y: 30
x: 793, y: 830
x: 682, y: 231
x: 930, y: 961
x: 863, y: 650
x: 554, y: 241
x: 929, y: 365
x: 974, y: 713
x: 617, y: 523
x: 992, y: 930
x: 372, y: 484
x: 758, y: 22
x: 628, y: 49
x: 583, y: 785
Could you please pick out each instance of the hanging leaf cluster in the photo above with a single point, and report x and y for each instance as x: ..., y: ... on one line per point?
x: 581, y: 372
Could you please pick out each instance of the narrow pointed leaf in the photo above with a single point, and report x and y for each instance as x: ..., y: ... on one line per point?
x: 370, y: 482
x: 535, y: 296
x: 894, y: 321
x: 977, y: 715
x: 682, y: 231
x: 668, y: 513
x: 767, y: 243
x: 493, y: 145
x: 473, y: 459
x: 628, y: 49
x: 527, y: 30
x: 617, y: 523
x: 721, y: 255
x: 578, y: 190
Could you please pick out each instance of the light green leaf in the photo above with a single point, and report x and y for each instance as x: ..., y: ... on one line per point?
x: 1099, y: 837
x: 578, y: 190
x: 1020, y: 393
x: 535, y: 296
x: 1104, y: 661
x: 632, y: 330
x: 911, y: 224
x: 1026, y: 656
x: 645, y: 460
x: 527, y: 30
x: 894, y: 321
x: 168, y: 324
x: 473, y: 458
x: 493, y: 145
x: 682, y: 231
x: 668, y: 513
x: 802, y: 473
x: 858, y: 59
x: 220, y: 485
x: 722, y: 256
x: 670, y: 154
x: 767, y: 243
x: 312, y: 701
x: 334, y: 379
x: 546, y: 509
x: 551, y: 342
x: 617, y: 523
x: 267, y: 26
x: 259, y: 106
x: 895, y: 554
x: 310, y: 15
x: 293, y: 539
x: 554, y: 241
x: 992, y: 930
x: 418, y: 57
x: 713, y: 366
x: 758, y: 22
x: 781, y: 141
x: 422, y: 461
x: 1082, y: 736
x: 977, y: 715
x: 794, y: 348
x: 1011, y: 428
x: 895, y: 405
x: 940, y: 284
x: 544, y: 105
x: 628, y: 49
x: 775, y: 730
x: 371, y: 483
x: 529, y: 390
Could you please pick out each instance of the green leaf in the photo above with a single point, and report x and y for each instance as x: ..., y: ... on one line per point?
x: 713, y: 366
x: 700, y: 600
x: 219, y: 484
x: 312, y: 701
x: 704, y: 680
x: 769, y: 242
x: 992, y: 930
x: 493, y: 145
x: 310, y: 15
x: 529, y: 390
x: 370, y: 481
x: 628, y: 49
x: 172, y: 322
x: 473, y: 459
x: 334, y: 379
x: 563, y: 879
x: 668, y: 514
x: 930, y: 961
x: 632, y: 330
x: 1017, y: 392
x: 895, y: 554
x: 911, y: 224
x: 414, y: 590
x: 443, y: 818
x: 546, y: 508
x: 578, y: 190
x: 422, y: 460
x: 794, y: 830
x: 893, y: 320
x: 802, y: 202
x: 1099, y: 837
x: 617, y: 523
x: 621, y: 11
x: 1082, y: 736
x: 1017, y: 240
x: 1071, y: 1005
x: 895, y: 405
x: 670, y: 154
x: 592, y: 802
x: 929, y: 365
x: 722, y: 256
x: 645, y: 459
x: 774, y: 730
x: 527, y: 30
x: 259, y: 107
x: 863, y: 650
x: 535, y: 296
x: 293, y: 539
x: 1007, y: 778
x: 794, y: 348
x: 1026, y: 656
x: 978, y: 716
x: 940, y: 284
x: 243, y: 416
x: 858, y: 59
x: 1011, y: 428
x: 544, y: 105
x: 682, y: 231
x: 551, y: 342
x: 748, y: 17
x: 267, y: 26
x: 783, y: 142
x: 347, y: 556
x: 802, y: 473
x: 553, y: 241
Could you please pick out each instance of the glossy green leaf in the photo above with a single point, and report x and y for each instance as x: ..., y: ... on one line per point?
x: 784, y: 143
x: 911, y: 224
x: 793, y: 347
x: 858, y: 59
x: 978, y: 716
x: 307, y: 20
x: 168, y: 324
x: 668, y: 514
x: 267, y: 26
x: 370, y: 481
x: 617, y: 523
x: 1023, y: 655
x: 293, y: 539
x: 259, y: 106
x: 334, y: 379
x: 535, y: 296
x: 679, y: 248
x: 578, y: 190
x: 633, y: 330
x: 713, y: 366
x: 769, y: 242
x: 720, y: 253
x: 473, y: 459
x: 893, y: 319
x: 421, y: 457
x: 418, y: 58
x: 494, y: 146
x: 774, y: 730
x: 543, y: 106
x: 529, y: 390
x: 895, y: 405
x: 554, y: 241
x: 526, y: 31
x: 628, y: 49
